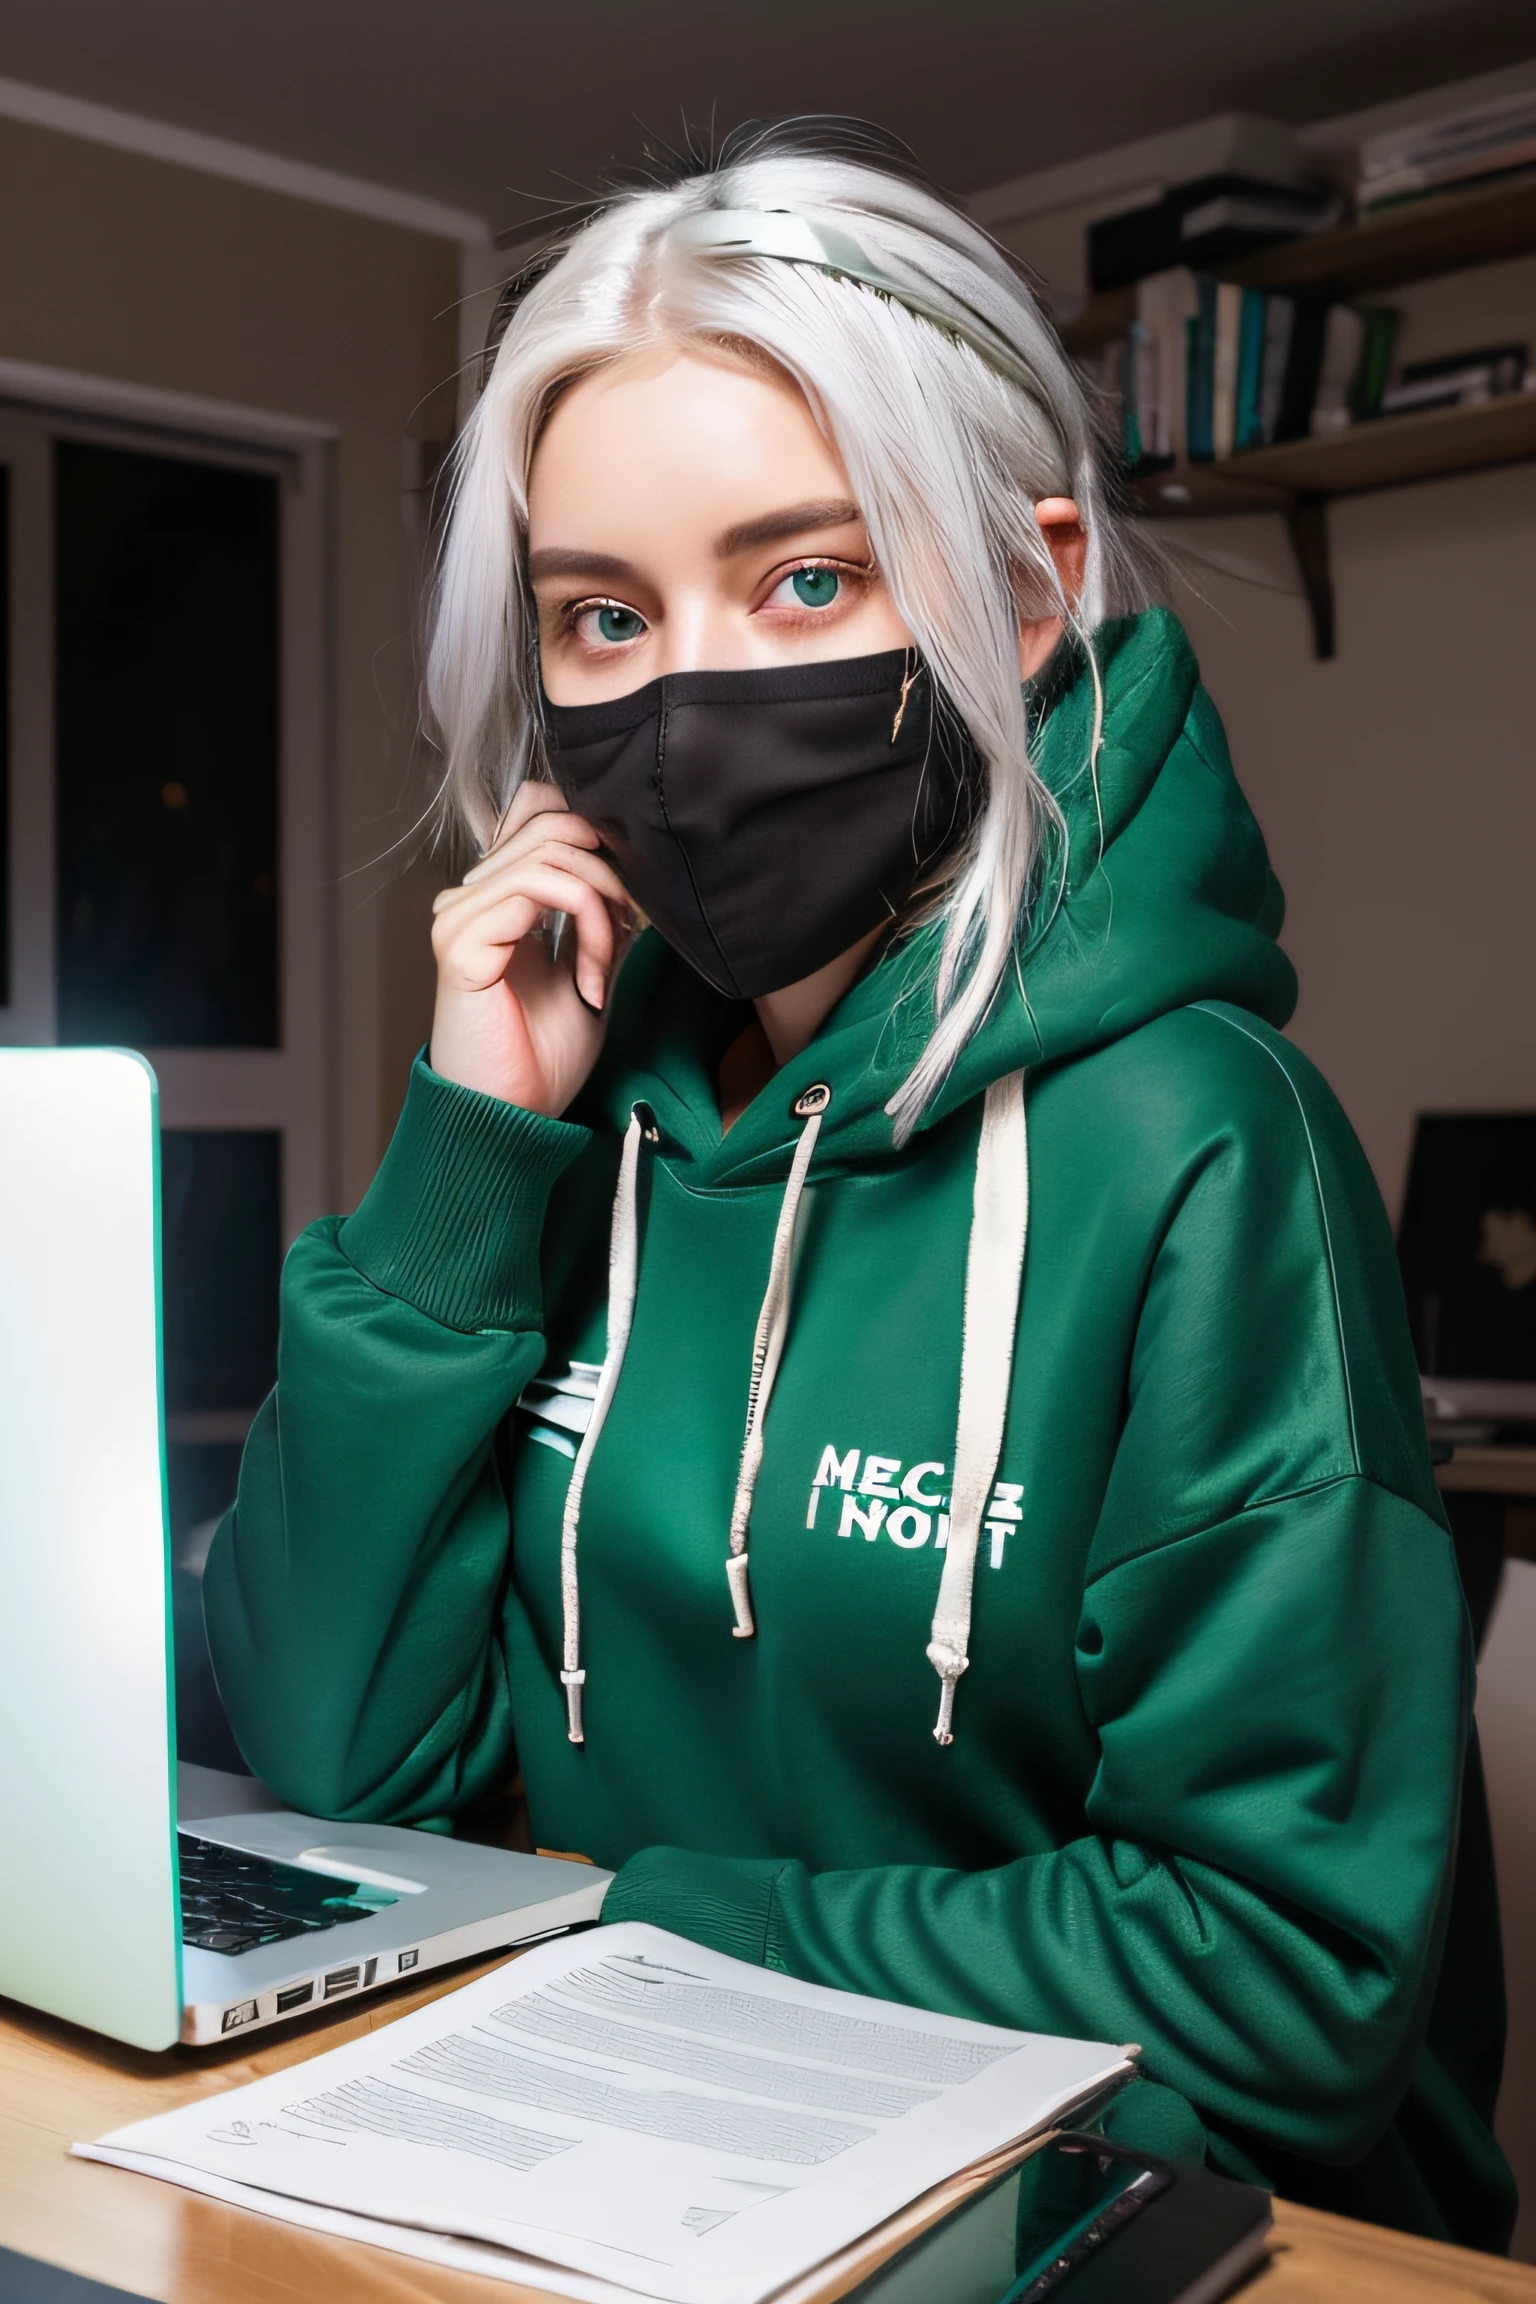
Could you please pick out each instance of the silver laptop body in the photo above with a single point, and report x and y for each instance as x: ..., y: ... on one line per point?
x: 293, y: 1912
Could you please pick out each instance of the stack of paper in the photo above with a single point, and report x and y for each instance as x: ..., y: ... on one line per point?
x: 624, y: 2114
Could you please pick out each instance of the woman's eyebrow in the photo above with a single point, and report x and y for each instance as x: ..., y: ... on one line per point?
x: 555, y: 561
x: 796, y: 520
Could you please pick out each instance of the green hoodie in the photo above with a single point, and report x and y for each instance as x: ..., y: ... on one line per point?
x: 1210, y: 1787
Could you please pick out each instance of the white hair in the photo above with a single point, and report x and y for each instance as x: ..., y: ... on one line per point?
x: 947, y: 455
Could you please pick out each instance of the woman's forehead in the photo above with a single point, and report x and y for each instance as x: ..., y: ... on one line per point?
x: 690, y: 439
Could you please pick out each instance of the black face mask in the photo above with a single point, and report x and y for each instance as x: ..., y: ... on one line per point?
x: 766, y: 820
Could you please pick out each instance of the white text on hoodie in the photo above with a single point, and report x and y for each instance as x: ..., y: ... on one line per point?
x: 904, y: 1504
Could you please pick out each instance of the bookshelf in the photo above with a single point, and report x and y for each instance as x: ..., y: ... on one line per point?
x: 1387, y: 452
x: 1298, y: 479
x: 1421, y: 240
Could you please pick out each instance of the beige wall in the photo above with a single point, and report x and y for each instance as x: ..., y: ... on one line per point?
x: 1397, y: 784
x: 137, y: 271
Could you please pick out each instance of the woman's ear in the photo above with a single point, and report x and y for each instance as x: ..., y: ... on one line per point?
x: 1067, y: 541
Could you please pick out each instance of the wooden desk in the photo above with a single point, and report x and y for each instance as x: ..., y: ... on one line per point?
x: 1489, y: 1472
x: 59, y: 2085
x: 1497, y: 1487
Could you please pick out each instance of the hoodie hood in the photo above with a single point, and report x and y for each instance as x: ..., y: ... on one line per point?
x: 1173, y: 902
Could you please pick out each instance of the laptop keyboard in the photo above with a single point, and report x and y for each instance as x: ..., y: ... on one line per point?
x: 231, y: 1901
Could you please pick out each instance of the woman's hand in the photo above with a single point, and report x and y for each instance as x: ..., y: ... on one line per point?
x: 512, y: 1018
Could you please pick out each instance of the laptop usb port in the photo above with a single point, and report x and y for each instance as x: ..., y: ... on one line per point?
x: 342, y: 1980
x: 295, y: 1997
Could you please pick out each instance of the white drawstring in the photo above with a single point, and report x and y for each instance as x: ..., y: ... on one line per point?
x: 623, y: 1268
x: 993, y: 1270
x: 768, y: 1350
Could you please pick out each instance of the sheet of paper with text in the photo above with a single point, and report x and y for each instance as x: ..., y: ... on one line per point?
x: 623, y: 2113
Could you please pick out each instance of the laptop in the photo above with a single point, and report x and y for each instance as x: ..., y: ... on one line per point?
x: 147, y: 1915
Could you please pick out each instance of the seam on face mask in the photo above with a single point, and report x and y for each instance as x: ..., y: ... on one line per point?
x: 663, y: 718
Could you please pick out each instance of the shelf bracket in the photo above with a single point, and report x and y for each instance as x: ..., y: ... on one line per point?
x: 1306, y: 524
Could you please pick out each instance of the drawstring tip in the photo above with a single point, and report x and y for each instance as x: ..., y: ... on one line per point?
x: 741, y: 1597
x: 573, y: 1686
x: 949, y: 1664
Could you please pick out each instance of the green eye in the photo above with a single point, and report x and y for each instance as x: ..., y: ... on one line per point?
x: 616, y: 625
x: 816, y: 587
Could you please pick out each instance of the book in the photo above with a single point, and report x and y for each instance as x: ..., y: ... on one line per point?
x: 1459, y: 380
x: 1152, y: 416
x: 1279, y: 322
x: 1250, y: 370
x: 1137, y: 375
x: 27, y: 2280
x: 1262, y: 214
x: 1229, y: 314
x: 1382, y: 323
x: 624, y: 2114
x: 1233, y: 214
x: 1451, y: 148
x: 1089, y: 2222
x: 1414, y: 183
x: 1200, y: 371
x: 1106, y: 373
x: 1302, y: 368
x: 1343, y: 339
x: 1163, y: 303
x: 1117, y: 381
x: 1180, y: 302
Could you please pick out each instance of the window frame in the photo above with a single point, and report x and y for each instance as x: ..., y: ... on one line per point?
x: 287, y: 1088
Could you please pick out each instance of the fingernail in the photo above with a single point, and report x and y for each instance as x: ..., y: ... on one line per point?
x: 591, y: 994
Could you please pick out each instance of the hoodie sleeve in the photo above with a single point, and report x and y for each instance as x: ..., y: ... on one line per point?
x: 1276, y: 1669
x: 1259, y: 1894
x: 350, y: 1594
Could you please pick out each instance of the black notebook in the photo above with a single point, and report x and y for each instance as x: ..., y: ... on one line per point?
x: 23, y: 2280
x: 1085, y: 2222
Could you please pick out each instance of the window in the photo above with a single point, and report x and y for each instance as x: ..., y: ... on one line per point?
x: 165, y: 749
x: 163, y: 850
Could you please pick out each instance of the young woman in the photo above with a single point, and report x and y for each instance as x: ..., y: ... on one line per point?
x: 892, y: 1406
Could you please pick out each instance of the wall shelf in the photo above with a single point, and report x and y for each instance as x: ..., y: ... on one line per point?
x: 1299, y: 478
x: 1384, y: 453
x: 1421, y: 240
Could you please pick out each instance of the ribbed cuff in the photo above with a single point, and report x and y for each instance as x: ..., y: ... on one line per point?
x: 452, y: 1221
x: 721, y: 1901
